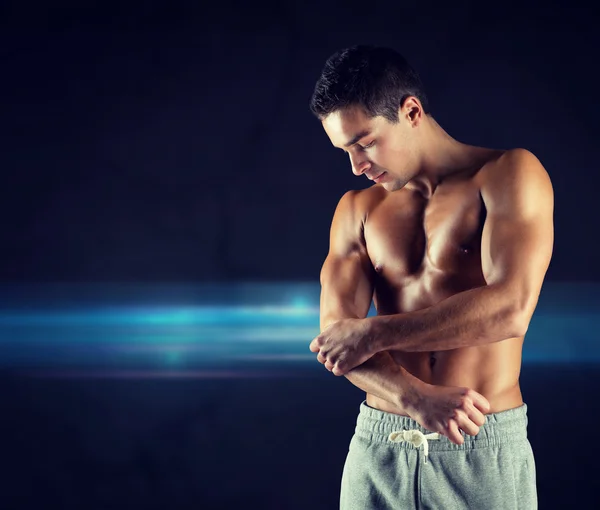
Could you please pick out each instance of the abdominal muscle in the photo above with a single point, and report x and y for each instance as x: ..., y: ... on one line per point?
x: 491, y: 370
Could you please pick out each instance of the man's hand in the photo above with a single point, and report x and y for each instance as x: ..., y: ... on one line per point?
x: 344, y: 344
x: 448, y: 410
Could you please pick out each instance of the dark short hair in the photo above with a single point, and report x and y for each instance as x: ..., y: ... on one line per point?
x: 374, y: 78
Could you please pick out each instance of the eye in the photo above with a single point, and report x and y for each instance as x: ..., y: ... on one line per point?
x: 368, y: 146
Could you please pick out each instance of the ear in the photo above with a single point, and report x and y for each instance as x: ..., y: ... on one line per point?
x: 411, y: 110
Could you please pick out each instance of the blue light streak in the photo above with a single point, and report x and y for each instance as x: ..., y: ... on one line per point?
x: 247, y: 325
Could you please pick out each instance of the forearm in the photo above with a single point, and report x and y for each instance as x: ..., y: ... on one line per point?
x: 383, y: 377
x: 380, y: 375
x: 474, y: 317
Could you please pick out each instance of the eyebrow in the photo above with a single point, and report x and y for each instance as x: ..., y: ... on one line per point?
x: 357, y: 137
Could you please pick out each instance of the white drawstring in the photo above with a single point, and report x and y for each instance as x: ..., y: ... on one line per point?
x: 415, y: 437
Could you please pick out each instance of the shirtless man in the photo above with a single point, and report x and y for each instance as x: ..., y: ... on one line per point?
x: 451, y: 243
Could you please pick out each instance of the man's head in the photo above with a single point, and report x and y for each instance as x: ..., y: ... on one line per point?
x: 370, y: 102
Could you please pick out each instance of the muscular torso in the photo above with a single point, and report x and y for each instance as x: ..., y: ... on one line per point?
x: 423, y: 250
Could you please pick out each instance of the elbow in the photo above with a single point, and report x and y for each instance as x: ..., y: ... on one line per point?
x: 518, y: 307
x: 519, y: 325
x: 520, y: 319
x: 328, y: 320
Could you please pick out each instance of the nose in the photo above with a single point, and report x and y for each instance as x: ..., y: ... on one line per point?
x: 359, y: 164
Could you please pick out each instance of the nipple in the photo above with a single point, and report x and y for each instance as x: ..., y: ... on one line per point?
x: 432, y: 359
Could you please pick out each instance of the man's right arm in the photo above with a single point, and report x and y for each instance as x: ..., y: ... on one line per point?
x: 347, y: 291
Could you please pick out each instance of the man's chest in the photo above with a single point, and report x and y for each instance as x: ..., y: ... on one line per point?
x: 408, y: 236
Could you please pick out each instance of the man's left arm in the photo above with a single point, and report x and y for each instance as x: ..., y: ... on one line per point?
x: 516, y: 247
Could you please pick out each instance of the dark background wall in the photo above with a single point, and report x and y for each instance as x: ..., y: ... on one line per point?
x: 173, y: 142
x: 163, y: 142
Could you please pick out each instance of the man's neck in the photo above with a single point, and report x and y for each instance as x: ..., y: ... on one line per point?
x: 441, y: 156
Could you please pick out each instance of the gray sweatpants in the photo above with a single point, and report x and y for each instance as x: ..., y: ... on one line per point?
x: 494, y: 470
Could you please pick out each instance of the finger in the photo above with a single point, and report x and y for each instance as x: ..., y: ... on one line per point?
x: 321, y: 358
x: 453, y: 433
x: 331, y: 356
x: 465, y: 424
x: 314, y: 345
x: 329, y: 365
x: 474, y: 414
x: 344, y: 366
x: 479, y: 401
x: 338, y: 369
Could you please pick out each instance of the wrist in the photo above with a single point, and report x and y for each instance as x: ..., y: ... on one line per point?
x: 414, y: 392
x: 378, y: 338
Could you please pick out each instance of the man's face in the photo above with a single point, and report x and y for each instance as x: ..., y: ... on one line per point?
x: 380, y: 150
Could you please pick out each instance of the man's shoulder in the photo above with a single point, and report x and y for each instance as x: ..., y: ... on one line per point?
x: 361, y: 200
x: 514, y: 172
x: 511, y: 165
x: 518, y: 159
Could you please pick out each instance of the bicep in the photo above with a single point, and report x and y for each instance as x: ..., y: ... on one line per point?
x: 517, y: 237
x: 346, y: 288
x: 347, y: 274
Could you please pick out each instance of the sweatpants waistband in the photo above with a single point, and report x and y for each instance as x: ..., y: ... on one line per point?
x: 505, y: 426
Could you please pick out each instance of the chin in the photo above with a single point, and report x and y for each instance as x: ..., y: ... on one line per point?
x: 393, y: 185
